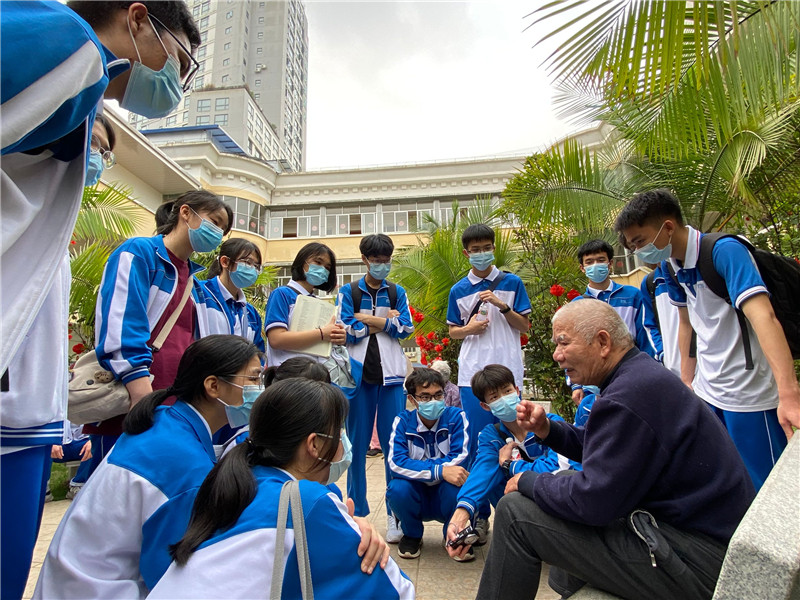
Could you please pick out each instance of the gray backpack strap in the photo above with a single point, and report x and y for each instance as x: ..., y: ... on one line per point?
x: 290, y: 498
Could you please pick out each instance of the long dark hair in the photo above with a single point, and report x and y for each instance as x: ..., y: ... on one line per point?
x: 308, y: 252
x: 213, y: 355
x: 197, y: 200
x: 282, y: 418
x: 233, y: 249
x: 297, y: 366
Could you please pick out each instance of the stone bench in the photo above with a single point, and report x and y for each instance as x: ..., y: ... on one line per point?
x: 763, y: 558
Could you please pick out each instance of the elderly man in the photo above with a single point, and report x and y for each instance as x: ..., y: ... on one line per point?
x: 661, y: 491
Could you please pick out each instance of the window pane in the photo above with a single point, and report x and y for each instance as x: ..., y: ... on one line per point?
x: 330, y: 225
x: 368, y: 223
x: 401, y: 220
x: 290, y: 227
x: 355, y: 224
x: 313, y: 226
x: 275, y: 228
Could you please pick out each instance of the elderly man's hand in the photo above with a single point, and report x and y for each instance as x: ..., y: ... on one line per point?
x: 512, y: 484
x: 532, y: 417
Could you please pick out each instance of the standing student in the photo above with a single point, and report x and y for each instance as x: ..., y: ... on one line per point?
x: 754, y: 404
x: 314, y: 267
x: 56, y: 66
x: 138, y: 501
x: 665, y: 315
x: 143, y: 285
x: 375, y: 314
x: 237, y: 267
x: 228, y: 550
x: 76, y: 446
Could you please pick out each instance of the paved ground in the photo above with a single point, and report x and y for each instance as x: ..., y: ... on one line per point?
x: 436, y: 575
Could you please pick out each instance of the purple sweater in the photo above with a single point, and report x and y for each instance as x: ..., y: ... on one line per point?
x: 649, y: 443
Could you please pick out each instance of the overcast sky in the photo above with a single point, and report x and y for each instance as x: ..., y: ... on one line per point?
x: 406, y: 81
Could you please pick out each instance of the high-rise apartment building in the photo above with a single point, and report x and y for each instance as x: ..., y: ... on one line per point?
x: 253, y: 77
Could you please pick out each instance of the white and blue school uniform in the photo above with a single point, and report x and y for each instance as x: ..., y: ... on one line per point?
x: 138, y: 282
x: 280, y: 307
x: 486, y: 483
x: 48, y: 107
x: 229, y: 315
x: 417, y: 457
x: 499, y: 344
x: 668, y: 318
x: 380, y: 387
x: 238, y: 562
x: 113, y: 542
x: 745, y: 400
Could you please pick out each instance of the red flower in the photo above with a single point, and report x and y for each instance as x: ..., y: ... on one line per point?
x: 572, y: 294
x: 424, y: 360
x: 523, y: 340
x: 78, y: 348
x: 69, y: 337
x: 438, y: 347
x: 556, y: 290
x: 445, y: 341
x: 428, y: 346
x: 431, y: 335
x: 419, y: 317
x: 420, y: 340
x: 412, y: 311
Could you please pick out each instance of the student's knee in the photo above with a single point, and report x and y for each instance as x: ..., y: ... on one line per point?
x: 400, y: 490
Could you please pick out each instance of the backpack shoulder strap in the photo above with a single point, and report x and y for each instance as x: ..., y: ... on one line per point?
x: 392, y: 294
x: 491, y: 288
x: 356, y: 293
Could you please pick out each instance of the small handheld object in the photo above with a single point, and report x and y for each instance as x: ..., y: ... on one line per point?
x: 465, y: 537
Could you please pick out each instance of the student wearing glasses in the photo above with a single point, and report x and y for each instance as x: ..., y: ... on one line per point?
x: 428, y: 453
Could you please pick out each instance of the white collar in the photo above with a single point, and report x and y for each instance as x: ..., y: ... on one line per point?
x: 226, y: 295
x: 296, y: 286
x: 474, y: 279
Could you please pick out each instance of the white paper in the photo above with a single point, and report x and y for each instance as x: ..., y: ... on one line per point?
x: 310, y: 313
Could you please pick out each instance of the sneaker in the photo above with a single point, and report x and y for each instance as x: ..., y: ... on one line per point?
x: 482, y: 529
x: 469, y: 556
x: 409, y: 547
x: 73, y: 491
x: 373, y: 452
x: 393, y: 531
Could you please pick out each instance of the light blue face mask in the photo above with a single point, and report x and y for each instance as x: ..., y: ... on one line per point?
x: 150, y: 93
x: 431, y: 410
x: 244, y: 276
x: 240, y: 415
x: 380, y: 270
x: 206, y: 237
x: 591, y: 389
x: 94, y: 169
x: 317, y: 275
x: 650, y: 254
x: 505, y: 407
x: 597, y: 273
x: 339, y: 467
x: 481, y: 260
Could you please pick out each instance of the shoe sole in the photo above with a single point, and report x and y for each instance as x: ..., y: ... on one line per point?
x: 466, y: 559
x: 410, y: 555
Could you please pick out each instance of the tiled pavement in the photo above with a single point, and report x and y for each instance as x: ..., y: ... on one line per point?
x: 435, y: 574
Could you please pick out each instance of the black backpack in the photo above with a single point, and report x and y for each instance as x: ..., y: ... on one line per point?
x: 356, y: 292
x: 782, y: 278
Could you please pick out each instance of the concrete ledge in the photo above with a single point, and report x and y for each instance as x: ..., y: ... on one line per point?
x: 763, y: 558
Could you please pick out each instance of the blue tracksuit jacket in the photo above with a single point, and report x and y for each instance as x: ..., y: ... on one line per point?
x: 229, y: 315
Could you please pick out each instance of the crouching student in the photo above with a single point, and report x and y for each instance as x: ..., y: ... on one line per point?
x: 504, y: 450
x: 228, y: 551
x: 427, y: 451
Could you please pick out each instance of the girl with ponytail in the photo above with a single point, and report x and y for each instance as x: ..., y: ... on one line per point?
x: 139, y: 500
x: 296, y: 430
x: 237, y: 267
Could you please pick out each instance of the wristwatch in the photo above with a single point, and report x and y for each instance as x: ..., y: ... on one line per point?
x: 506, y: 466
x: 505, y: 310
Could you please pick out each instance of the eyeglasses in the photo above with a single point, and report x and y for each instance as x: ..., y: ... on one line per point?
x: 254, y: 379
x: 109, y: 160
x: 428, y: 397
x: 251, y: 263
x: 194, y: 65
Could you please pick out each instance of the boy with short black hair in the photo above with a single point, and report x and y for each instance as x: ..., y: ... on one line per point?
x: 752, y: 403
x: 504, y: 449
x: 376, y: 317
x: 428, y: 453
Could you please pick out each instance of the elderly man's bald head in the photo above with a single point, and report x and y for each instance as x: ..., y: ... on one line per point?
x: 588, y: 317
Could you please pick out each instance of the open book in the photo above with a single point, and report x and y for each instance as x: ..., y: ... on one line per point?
x: 310, y: 313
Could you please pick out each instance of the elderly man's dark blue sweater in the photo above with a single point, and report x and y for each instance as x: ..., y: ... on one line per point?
x: 649, y: 443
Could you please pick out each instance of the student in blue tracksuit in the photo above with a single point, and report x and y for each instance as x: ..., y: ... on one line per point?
x: 237, y: 267
x: 56, y: 67
x: 500, y: 451
x: 595, y: 258
x: 374, y: 330
x: 428, y: 451
x: 228, y: 550
x: 314, y: 267
x: 665, y: 315
x: 143, y: 284
x: 138, y: 501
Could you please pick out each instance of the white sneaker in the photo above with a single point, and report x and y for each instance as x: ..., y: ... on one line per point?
x: 482, y: 529
x: 73, y: 491
x: 393, y: 532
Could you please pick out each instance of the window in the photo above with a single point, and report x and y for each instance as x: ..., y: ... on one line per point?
x: 222, y: 104
x: 292, y: 223
x: 196, y: 12
x: 228, y: 30
x: 257, y: 96
x: 204, y: 105
x: 350, y: 224
x: 172, y: 121
x: 205, y: 7
x: 186, y: 103
x: 203, y: 37
x: 199, y: 82
x: 395, y: 222
x: 260, y: 20
x: 221, y: 119
x: 204, y: 22
x: 258, y: 83
x: 202, y: 120
x: 260, y: 35
x: 259, y: 50
x: 201, y: 66
x: 201, y: 51
x: 228, y: 15
x: 226, y: 78
x: 226, y: 46
x: 226, y: 62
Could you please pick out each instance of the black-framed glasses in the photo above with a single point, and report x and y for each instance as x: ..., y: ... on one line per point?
x: 195, y: 66
x: 428, y: 397
x: 109, y: 160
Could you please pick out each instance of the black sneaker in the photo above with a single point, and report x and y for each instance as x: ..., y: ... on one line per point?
x: 409, y: 547
x: 372, y: 452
